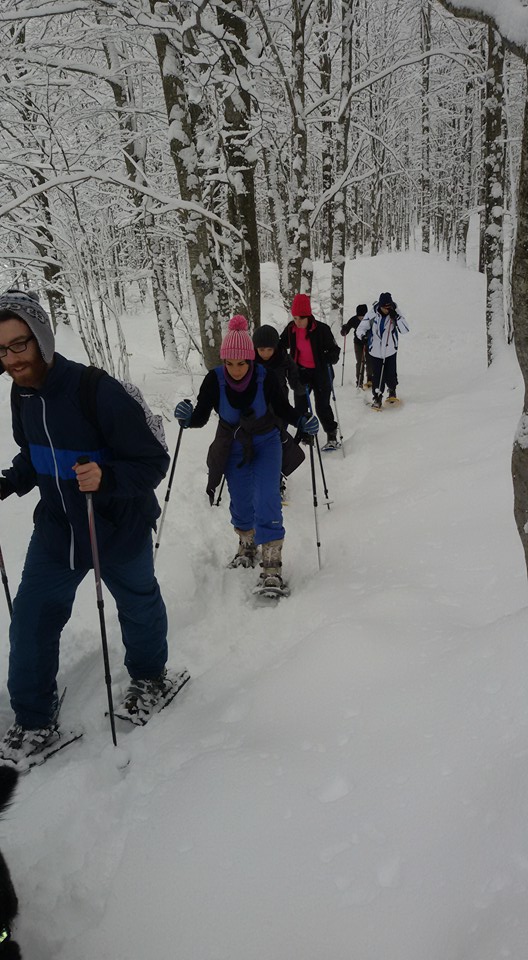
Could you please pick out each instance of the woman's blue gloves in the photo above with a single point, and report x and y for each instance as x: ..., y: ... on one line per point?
x: 183, y: 412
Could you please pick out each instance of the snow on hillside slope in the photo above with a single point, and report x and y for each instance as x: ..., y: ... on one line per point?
x: 345, y: 776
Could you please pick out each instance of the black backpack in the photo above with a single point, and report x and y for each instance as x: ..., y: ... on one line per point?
x: 88, y: 384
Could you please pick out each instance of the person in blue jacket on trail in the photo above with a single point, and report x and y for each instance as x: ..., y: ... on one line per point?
x: 247, y: 448
x: 126, y: 463
x: 381, y: 327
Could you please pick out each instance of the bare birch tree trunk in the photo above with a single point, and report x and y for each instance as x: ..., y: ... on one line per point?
x: 520, y: 328
x: 241, y: 160
x: 337, y: 292
x: 494, y: 166
x: 300, y: 268
x: 425, y: 175
x: 324, y: 17
x: 184, y: 156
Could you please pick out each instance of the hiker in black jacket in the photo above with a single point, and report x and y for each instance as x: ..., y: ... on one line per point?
x: 272, y: 355
x: 311, y: 344
x: 363, y: 359
x: 126, y: 462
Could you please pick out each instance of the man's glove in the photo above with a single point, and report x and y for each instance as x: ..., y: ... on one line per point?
x: 308, y: 424
x: 183, y: 412
x: 344, y: 331
x: 5, y: 488
x: 393, y: 314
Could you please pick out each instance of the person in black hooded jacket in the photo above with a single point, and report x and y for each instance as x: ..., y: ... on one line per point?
x: 363, y: 360
x: 272, y: 355
x: 311, y: 344
x: 120, y: 463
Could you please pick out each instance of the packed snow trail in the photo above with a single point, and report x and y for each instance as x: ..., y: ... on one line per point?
x: 343, y: 776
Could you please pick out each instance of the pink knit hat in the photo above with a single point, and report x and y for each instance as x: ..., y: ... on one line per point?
x: 237, y: 344
x: 301, y: 306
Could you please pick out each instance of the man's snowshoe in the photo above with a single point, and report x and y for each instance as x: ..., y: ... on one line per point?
x: 23, y: 749
x: 377, y: 401
x: 144, y: 698
x: 392, y: 398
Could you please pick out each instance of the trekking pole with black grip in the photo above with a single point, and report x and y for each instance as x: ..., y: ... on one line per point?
x: 168, y: 493
x: 343, y: 365
x: 323, y: 478
x: 100, y: 603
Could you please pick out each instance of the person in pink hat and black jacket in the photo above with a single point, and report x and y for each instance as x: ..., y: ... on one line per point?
x: 311, y: 344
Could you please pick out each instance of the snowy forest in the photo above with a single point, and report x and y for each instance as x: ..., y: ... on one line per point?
x: 345, y: 775
x: 164, y: 151
x: 171, y: 148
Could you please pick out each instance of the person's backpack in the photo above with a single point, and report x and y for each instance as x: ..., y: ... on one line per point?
x: 88, y: 384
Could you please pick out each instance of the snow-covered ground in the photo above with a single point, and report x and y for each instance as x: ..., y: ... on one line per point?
x: 345, y: 775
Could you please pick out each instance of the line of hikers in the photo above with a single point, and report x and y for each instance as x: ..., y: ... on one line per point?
x: 103, y: 446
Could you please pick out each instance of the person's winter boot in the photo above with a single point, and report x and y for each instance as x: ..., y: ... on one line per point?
x: 246, y: 555
x: 376, y: 402
x: 392, y: 398
x: 271, y: 577
x: 332, y: 442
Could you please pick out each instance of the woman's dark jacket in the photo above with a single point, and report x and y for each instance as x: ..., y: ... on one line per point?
x: 285, y: 369
x: 352, y: 324
x: 324, y: 347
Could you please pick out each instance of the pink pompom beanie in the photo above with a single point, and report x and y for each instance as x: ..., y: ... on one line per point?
x: 237, y: 344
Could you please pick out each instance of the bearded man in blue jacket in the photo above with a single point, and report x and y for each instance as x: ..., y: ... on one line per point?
x: 126, y: 462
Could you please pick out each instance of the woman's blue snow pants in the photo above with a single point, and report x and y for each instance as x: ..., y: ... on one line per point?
x: 254, y: 488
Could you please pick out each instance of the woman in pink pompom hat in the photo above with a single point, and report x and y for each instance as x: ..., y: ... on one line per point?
x: 248, y: 449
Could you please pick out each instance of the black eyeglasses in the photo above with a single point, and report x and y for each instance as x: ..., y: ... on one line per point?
x: 18, y: 347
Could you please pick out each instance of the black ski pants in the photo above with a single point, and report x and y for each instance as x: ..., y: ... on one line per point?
x: 362, y: 361
x: 323, y: 408
x: 384, y: 374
